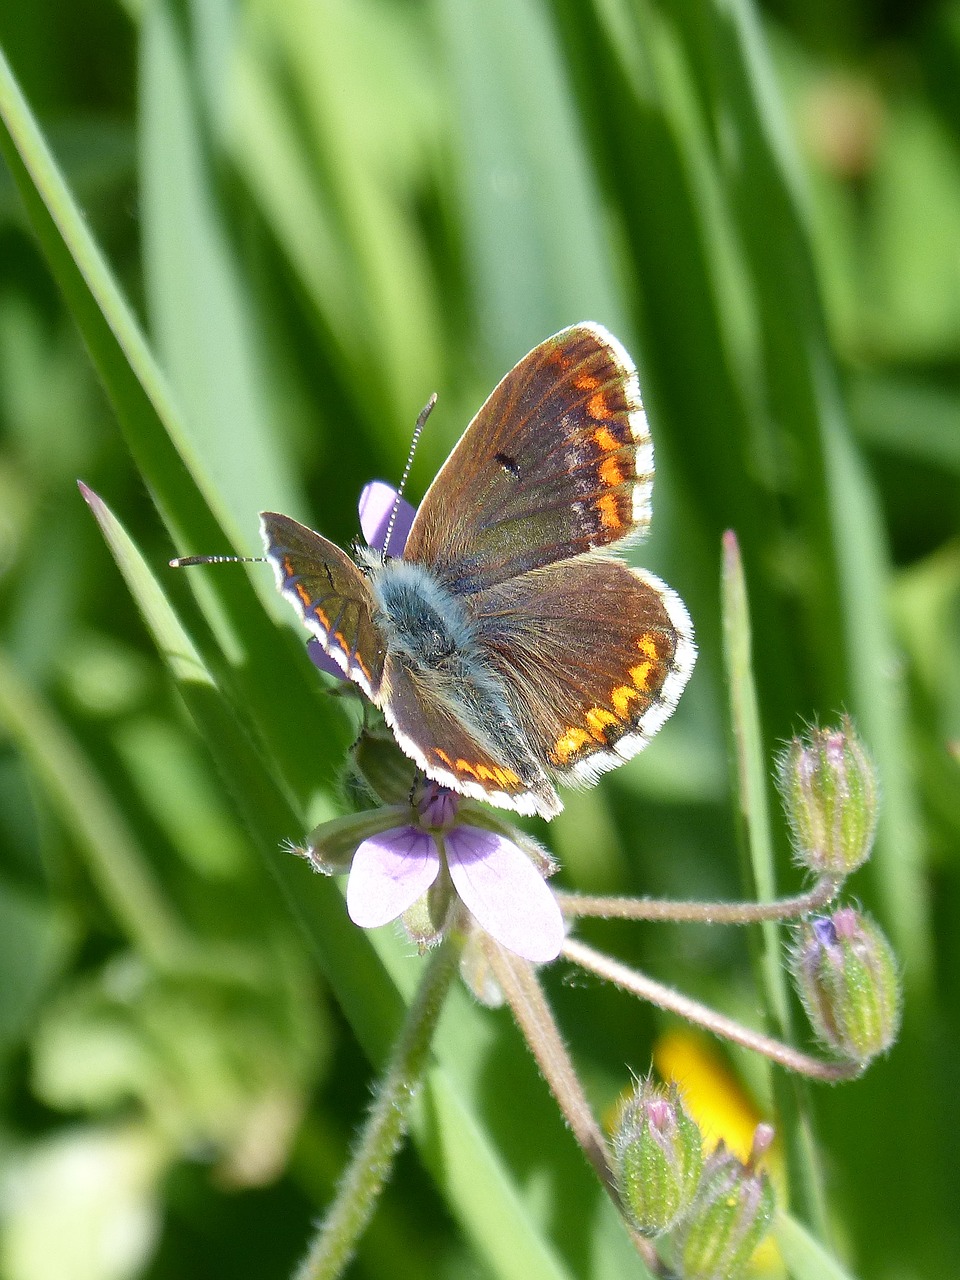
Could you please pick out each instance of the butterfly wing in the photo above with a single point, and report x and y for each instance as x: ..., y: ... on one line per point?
x: 594, y: 654
x: 456, y: 745
x: 557, y: 462
x: 331, y: 596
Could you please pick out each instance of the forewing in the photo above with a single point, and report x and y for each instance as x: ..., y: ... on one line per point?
x: 557, y: 462
x: 595, y: 655
x: 463, y: 755
x: 331, y: 596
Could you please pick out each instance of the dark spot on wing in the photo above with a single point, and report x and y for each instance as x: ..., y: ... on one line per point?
x: 508, y: 464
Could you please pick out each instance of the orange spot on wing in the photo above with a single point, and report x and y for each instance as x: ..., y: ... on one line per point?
x: 483, y: 773
x: 605, y: 438
x: 610, y: 473
x: 599, y: 719
x: 586, y: 382
x: 609, y: 511
x: 362, y: 665
x: 622, y: 697
x: 640, y: 674
x: 569, y: 744
x: 597, y: 406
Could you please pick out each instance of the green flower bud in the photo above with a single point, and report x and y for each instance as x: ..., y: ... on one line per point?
x: 331, y: 846
x: 731, y: 1214
x: 381, y: 766
x: 846, y: 975
x: 829, y: 790
x: 426, y: 922
x: 477, y: 974
x: 657, y: 1157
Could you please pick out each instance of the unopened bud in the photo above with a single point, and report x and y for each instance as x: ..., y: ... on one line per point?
x: 657, y: 1157
x: 331, y: 846
x: 829, y: 790
x: 731, y: 1214
x: 846, y: 975
x: 426, y: 922
x: 381, y: 765
x: 476, y: 972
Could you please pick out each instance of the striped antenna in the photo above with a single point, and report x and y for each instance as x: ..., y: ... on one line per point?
x: 421, y: 423
x: 183, y: 562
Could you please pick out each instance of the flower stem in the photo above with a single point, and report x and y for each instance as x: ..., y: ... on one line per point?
x: 702, y: 1015
x: 518, y: 980
x: 386, y: 1125
x: 659, y: 909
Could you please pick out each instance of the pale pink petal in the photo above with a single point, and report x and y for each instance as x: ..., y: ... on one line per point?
x: 376, y: 506
x: 504, y: 891
x: 390, y: 872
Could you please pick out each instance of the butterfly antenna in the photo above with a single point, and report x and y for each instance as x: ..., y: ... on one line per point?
x: 421, y: 423
x: 183, y: 562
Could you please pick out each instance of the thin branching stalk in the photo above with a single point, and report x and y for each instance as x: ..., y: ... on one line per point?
x: 702, y: 1015
x: 372, y: 1160
x: 677, y: 912
x: 518, y: 980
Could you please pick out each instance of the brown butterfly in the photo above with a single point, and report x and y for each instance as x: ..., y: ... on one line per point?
x: 507, y: 648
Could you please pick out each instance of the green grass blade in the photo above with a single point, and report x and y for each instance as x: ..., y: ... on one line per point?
x: 522, y: 160
x: 805, y: 1257
x: 117, y: 864
x: 280, y: 697
x: 752, y: 789
x: 201, y: 316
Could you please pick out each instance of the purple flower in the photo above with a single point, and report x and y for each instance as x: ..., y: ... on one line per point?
x: 376, y: 507
x: 494, y: 878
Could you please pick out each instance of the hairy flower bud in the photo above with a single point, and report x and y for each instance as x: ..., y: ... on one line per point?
x: 731, y: 1214
x: 381, y: 766
x: 846, y: 975
x: 657, y: 1157
x: 330, y: 846
x: 426, y: 922
x: 829, y: 790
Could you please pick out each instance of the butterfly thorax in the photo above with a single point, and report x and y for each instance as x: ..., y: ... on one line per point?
x: 430, y: 633
x: 421, y: 620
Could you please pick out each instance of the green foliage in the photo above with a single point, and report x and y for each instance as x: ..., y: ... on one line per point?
x: 267, y: 232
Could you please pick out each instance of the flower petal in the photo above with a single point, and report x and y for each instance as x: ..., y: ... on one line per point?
x: 504, y: 891
x: 376, y: 506
x: 390, y: 872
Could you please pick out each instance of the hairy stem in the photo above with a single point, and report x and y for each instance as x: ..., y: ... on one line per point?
x: 386, y: 1125
x: 677, y: 912
x: 702, y: 1015
x: 529, y: 1006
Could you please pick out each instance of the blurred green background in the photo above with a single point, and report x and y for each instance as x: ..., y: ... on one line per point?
x: 319, y: 211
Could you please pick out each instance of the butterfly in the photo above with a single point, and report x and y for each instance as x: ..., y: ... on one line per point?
x: 508, y: 649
